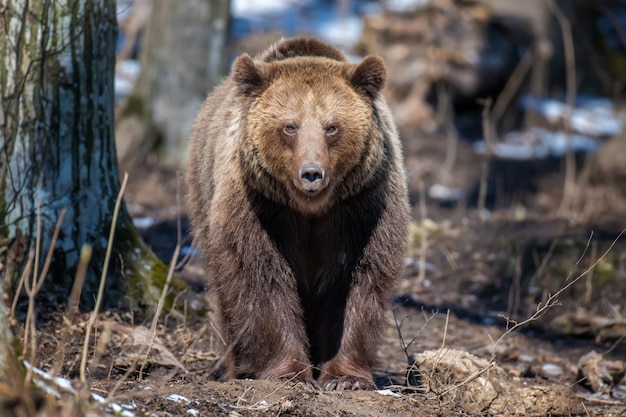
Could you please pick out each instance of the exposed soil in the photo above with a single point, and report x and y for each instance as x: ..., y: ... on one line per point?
x: 446, y: 350
x: 514, y: 309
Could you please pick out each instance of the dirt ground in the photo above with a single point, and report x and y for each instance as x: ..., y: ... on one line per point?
x: 492, y: 317
x: 511, y: 309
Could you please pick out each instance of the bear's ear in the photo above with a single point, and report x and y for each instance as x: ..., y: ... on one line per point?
x: 248, y: 76
x: 369, y: 76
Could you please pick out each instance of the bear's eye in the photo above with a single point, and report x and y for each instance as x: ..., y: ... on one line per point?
x: 290, y: 129
x: 331, y: 130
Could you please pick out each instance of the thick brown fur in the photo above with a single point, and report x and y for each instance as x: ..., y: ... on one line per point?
x: 297, y: 196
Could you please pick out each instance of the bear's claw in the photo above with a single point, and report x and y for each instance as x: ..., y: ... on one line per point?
x: 346, y: 383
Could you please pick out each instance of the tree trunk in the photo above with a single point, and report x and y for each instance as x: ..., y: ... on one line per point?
x: 58, y: 152
x: 182, y: 59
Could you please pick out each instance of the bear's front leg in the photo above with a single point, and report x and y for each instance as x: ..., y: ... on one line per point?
x: 258, y: 302
x: 363, y: 322
x: 369, y: 297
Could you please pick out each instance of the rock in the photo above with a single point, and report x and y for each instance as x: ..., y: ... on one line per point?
x: 480, y: 387
x: 551, y: 370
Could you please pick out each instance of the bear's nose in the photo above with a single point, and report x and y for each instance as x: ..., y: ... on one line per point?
x: 311, y: 173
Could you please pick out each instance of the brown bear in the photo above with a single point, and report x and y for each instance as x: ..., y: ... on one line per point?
x: 298, y: 199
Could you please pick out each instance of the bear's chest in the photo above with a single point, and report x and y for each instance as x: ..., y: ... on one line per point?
x: 322, y: 251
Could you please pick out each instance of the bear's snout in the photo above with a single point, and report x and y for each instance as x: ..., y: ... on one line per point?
x: 312, y: 178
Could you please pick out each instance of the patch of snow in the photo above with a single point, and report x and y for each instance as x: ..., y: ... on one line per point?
x: 128, y: 68
x: 537, y: 143
x: 344, y: 32
x: 144, y: 222
x: 123, y: 88
x: 388, y: 392
x: 66, y: 385
x: 98, y: 398
x: 123, y: 9
x: 443, y: 193
x: 177, y: 398
x: 595, y: 116
x: 130, y: 406
x: 255, y: 8
x: 552, y: 370
x: 56, y: 381
x: 126, y: 74
x: 404, y: 5
x: 523, y: 357
x: 189, y: 250
x: 120, y: 410
x: 430, y: 267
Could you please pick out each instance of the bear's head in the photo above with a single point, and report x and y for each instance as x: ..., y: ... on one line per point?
x: 310, y: 122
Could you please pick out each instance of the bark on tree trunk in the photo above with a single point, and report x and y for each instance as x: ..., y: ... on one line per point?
x: 56, y: 85
x: 182, y: 59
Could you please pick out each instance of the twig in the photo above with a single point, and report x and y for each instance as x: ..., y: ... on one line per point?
x: 600, y: 400
x: 79, y: 281
x: 105, y: 267
x: 589, y: 280
x: 33, y: 289
x: 101, y: 344
x: 440, y: 352
x: 552, y: 299
x: 27, y: 286
x: 469, y: 379
x: 421, y: 277
x: 405, y: 346
x: 569, y: 186
x: 226, y: 353
x: 217, y: 332
x: 20, y: 284
x: 170, y: 273
x: 515, y: 290
x: 264, y: 399
x: 133, y: 24
x: 72, y: 306
x: 614, y: 345
x: 155, y: 319
x: 446, y: 114
x: 124, y: 377
x: 410, y: 377
x: 445, y: 330
x: 55, y: 236
x: 512, y: 85
x: 484, y: 165
x: 544, y: 263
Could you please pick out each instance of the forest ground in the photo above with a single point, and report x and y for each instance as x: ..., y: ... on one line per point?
x: 449, y: 348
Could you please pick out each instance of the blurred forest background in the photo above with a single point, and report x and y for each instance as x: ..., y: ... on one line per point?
x: 512, y: 118
x: 511, y: 114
